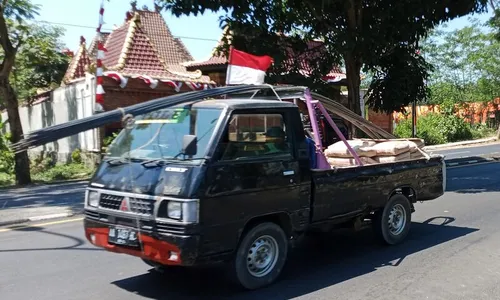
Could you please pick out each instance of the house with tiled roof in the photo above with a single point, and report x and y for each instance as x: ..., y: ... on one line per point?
x: 141, y: 49
x: 216, y: 65
x: 142, y: 61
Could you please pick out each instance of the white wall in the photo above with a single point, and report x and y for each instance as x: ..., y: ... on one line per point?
x: 75, y: 101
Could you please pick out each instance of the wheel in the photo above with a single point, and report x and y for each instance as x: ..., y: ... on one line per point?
x: 260, y: 257
x: 392, y: 224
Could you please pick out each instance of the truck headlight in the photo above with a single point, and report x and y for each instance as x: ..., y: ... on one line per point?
x: 184, y: 211
x: 174, y: 210
x: 93, y: 198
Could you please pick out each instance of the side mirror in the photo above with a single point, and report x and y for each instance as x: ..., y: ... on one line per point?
x: 189, y: 145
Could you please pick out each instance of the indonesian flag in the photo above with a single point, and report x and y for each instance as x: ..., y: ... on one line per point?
x: 244, y: 68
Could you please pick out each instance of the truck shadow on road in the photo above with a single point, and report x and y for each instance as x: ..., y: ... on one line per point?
x: 74, y: 243
x: 316, y: 264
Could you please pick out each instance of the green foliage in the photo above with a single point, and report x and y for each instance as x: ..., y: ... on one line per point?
x: 13, y: 32
x: 63, y: 172
x: 494, y: 22
x: 76, y: 156
x: 437, y: 128
x: 6, y: 156
x: 109, y: 139
x: 380, y: 36
x: 467, y: 65
x: 40, y: 64
x: 402, y: 69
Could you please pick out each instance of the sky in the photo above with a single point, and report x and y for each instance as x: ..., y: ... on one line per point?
x: 78, y: 17
x: 200, y: 34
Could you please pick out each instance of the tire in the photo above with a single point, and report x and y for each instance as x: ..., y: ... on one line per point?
x: 391, y: 234
x: 266, y: 244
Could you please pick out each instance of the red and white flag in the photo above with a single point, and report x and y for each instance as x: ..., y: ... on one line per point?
x: 244, y: 68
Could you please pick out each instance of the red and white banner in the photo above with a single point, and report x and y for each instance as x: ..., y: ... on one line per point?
x: 153, y: 83
x: 334, y: 77
x: 245, y: 68
x: 122, y: 80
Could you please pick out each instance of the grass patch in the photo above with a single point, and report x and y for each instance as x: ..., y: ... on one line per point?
x: 437, y: 128
x: 63, y: 172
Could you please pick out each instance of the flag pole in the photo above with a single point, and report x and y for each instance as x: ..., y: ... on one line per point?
x: 99, y: 90
x: 228, y: 72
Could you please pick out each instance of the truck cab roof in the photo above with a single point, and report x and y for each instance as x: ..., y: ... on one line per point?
x: 237, y: 103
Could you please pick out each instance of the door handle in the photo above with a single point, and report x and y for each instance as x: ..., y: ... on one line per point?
x: 288, y: 173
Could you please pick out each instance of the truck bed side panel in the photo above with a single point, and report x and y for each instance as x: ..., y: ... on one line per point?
x: 341, y: 191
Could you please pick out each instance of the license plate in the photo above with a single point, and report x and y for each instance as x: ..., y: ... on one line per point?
x: 123, y: 236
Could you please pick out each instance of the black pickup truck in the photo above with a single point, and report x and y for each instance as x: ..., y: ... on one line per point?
x: 230, y: 180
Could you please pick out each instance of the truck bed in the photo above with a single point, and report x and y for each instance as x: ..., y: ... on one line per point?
x: 352, y: 190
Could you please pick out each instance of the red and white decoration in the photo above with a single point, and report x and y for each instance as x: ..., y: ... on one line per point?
x: 99, y: 97
x: 175, y: 85
x: 122, y: 80
x: 245, y: 68
x: 153, y: 83
x: 334, y: 77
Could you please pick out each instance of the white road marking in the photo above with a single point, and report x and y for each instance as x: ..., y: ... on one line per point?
x: 453, y: 153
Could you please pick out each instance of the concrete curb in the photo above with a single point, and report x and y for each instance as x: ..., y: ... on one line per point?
x: 470, y: 161
x: 458, y: 144
x: 41, y: 218
x: 44, y: 183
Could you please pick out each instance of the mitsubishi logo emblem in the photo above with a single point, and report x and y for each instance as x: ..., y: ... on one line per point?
x: 124, y: 204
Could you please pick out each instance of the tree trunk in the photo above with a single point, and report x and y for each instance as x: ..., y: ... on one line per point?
x: 353, y: 70
x: 22, y: 163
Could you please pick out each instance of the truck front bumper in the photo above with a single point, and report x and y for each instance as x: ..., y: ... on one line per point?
x: 163, y: 248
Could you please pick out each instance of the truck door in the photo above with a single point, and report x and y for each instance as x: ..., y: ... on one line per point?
x: 255, y: 172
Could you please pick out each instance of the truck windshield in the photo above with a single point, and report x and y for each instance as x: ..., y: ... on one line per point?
x: 159, y: 135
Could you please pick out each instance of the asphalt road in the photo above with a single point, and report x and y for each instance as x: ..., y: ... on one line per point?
x: 451, y: 253
x: 475, y: 151
x: 41, y: 200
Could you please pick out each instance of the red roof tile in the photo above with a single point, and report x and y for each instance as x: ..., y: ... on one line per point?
x: 92, y: 49
x: 171, y: 50
x: 143, y: 45
x: 114, y: 44
x: 78, y: 64
x: 137, y: 48
x: 211, y: 62
x: 141, y: 54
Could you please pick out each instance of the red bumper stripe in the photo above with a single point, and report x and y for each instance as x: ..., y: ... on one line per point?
x: 153, y: 249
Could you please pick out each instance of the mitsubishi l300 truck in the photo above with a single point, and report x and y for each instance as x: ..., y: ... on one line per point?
x: 237, y: 180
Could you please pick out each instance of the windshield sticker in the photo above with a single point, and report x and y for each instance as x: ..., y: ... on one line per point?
x: 174, y: 169
x: 172, y: 116
x: 157, y: 121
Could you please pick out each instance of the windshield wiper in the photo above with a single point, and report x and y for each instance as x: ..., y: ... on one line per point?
x: 155, y: 162
x: 121, y: 161
x: 116, y: 161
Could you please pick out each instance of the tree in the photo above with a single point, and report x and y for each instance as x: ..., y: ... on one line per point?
x: 467, y: 64
x: 495, y: 19
x: 380, y: 37
x: 13, y: 32
x: 40, y: 61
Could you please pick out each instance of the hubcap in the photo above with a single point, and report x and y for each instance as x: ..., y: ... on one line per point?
x: 397, y: 219
x: 262, y: 256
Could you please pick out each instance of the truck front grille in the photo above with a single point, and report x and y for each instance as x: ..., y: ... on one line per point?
x: 135, y: 205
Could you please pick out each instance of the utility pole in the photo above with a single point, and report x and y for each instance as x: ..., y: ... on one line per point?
x: 414, y: 119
